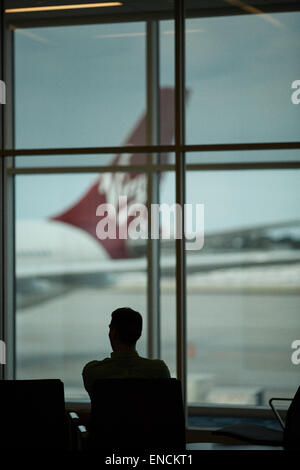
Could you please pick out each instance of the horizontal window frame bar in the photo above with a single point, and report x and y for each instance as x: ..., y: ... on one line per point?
x: 223, y: 410
x: 242, y: 146
x: 151, y: 149
x: 92, y: 169
x: 88, y: 150
x: 272, y: 165
x: 35, y: 20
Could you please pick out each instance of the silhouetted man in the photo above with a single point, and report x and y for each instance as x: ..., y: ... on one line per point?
x: 124, y: 330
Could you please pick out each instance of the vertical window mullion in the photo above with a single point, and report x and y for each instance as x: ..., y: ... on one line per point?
x: 180, y: 195
x: 8, y: 232
x: 153, y: 246
x: 1, y: 192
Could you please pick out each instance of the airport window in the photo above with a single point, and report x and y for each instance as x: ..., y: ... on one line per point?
x: 242, y: 288
x: 78, y: 70
x: 239, y: 73
x: 67, y: 280
x: 82, y: 92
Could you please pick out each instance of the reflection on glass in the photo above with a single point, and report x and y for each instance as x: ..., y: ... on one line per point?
x: 68, y: 279
x: 243, y: 287
x: 80, y: 86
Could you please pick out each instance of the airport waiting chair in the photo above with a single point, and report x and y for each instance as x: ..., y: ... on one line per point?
x: 32, y: 415
x: 137, y: 415
x: 288, y: 437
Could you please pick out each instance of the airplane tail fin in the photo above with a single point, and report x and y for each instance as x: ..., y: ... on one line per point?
x: 109, y: 186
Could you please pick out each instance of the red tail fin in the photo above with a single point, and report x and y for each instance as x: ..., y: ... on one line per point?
x: 109, y: 186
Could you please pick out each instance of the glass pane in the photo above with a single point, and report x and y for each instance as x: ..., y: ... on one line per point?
x: 80, y: 86
x: 68, y: 278
x: 88, y: 82
x: 167, y: 80
x: 239, y: 75
x: 244, y: 156
x: 59, y: 161
x: 243, y: 286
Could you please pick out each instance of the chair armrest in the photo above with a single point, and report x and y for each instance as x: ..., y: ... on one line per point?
x: 279, y: 399
x: 82, y: 438
x: 276, y: 413
x: 74, y: 421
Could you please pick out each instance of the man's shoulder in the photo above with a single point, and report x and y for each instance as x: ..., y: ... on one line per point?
x: 141, y: 366
x: 157, y: 362
x: 156, y: 365
x: 92, y: 364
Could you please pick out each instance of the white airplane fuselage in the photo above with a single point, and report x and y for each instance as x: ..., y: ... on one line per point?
x: 43, y: 245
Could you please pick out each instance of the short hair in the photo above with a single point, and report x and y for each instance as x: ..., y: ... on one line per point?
x: 128, y: 324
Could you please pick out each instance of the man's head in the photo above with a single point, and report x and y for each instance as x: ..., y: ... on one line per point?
x: 125, y: 328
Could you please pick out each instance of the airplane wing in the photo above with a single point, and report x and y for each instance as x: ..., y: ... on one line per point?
x: 200, y: 262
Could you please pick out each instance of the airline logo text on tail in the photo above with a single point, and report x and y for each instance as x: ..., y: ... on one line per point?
x: 113, y: 184
x: 116, y: 206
